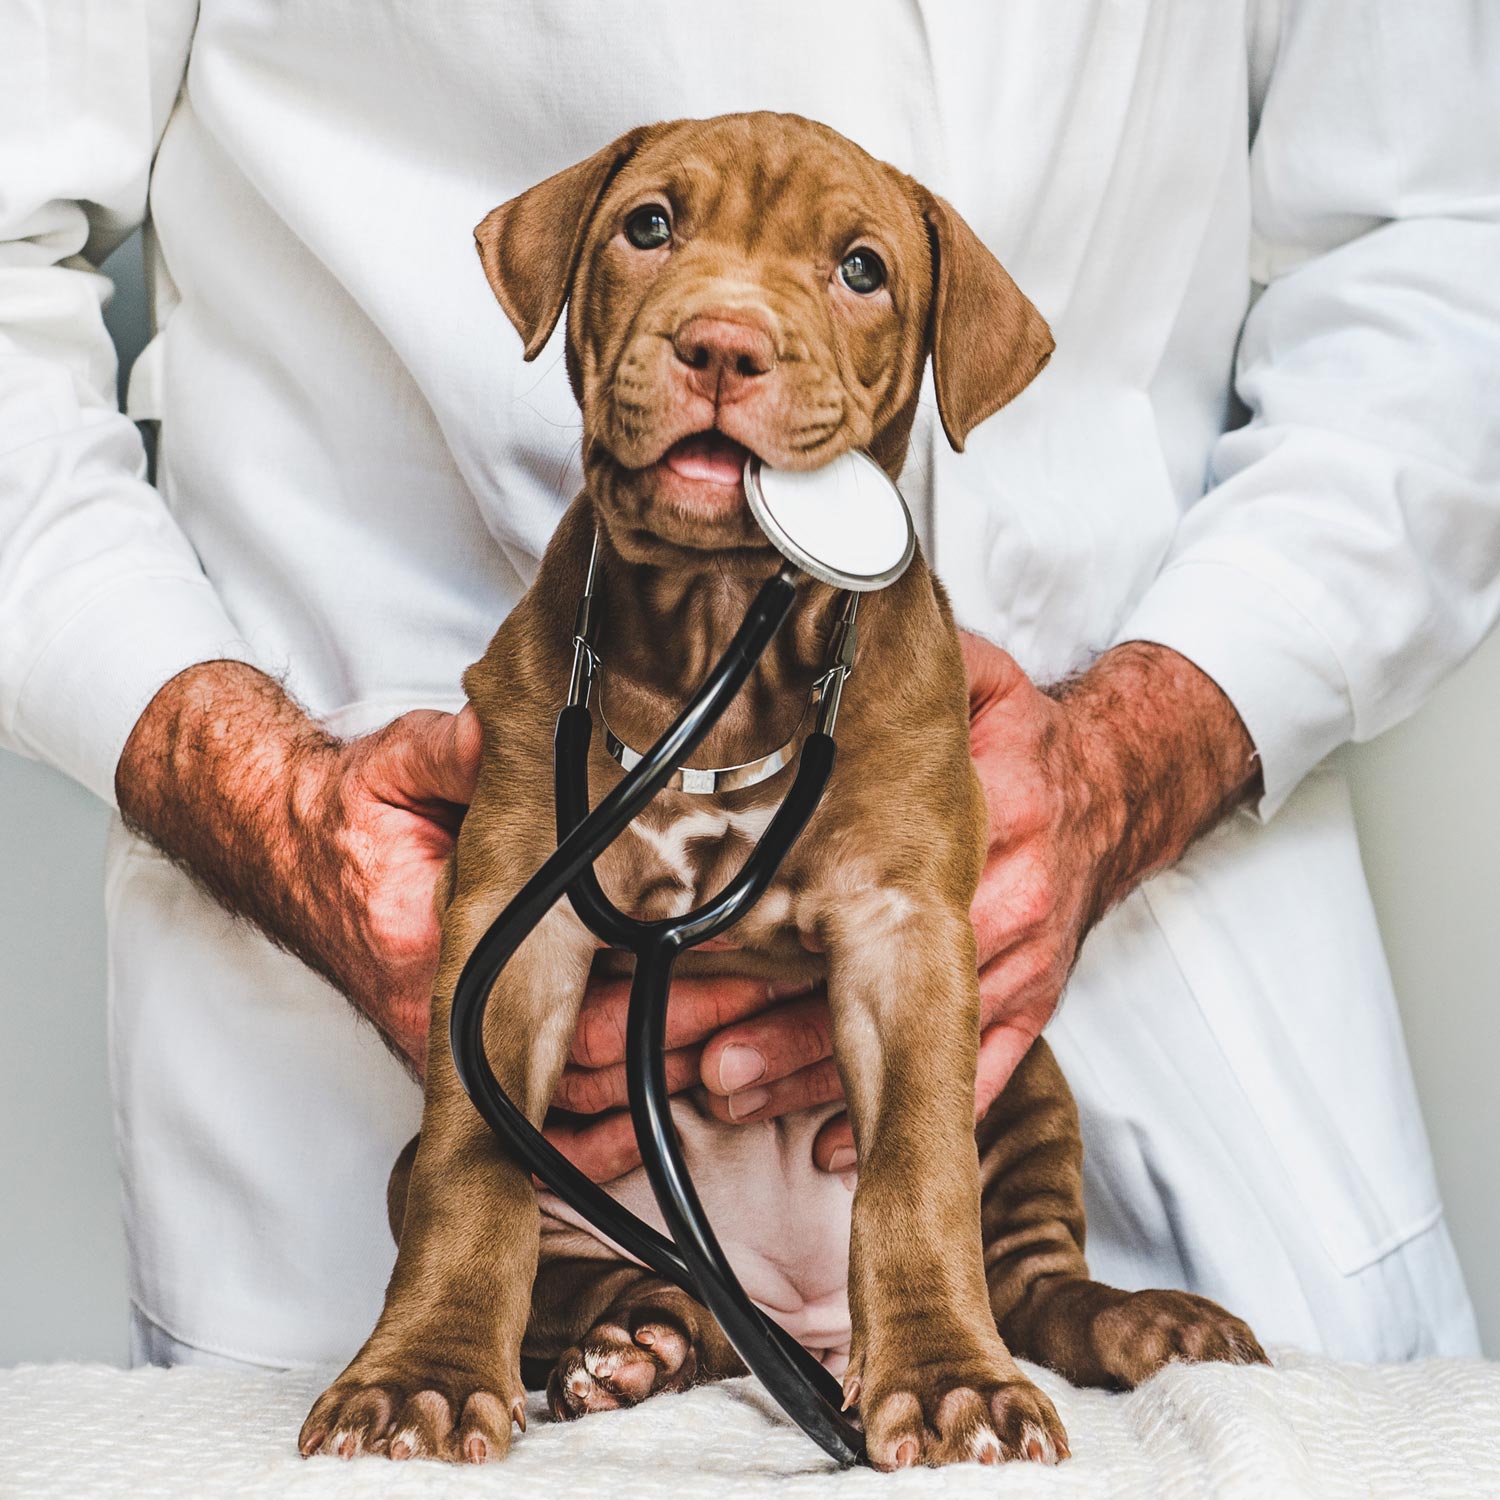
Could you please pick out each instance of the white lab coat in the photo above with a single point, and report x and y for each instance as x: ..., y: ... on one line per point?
x: 357, y: 475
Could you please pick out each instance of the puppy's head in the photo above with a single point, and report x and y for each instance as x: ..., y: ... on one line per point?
x: 750, y: 283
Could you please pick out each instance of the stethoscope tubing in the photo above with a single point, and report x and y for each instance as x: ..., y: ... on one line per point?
x: 692, y: 1258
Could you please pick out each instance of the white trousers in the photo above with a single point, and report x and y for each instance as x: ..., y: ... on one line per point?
x: 1420, y: 1277
x: 151, y: 1344
x: 1250, y: 1127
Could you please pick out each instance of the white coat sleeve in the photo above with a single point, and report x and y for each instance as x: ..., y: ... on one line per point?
x: 1346, y: 555
x: 102, y: 599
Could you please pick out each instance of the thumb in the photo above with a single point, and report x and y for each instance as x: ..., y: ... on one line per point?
x: 454, y: 745
x: 434, y: 757
x: 1001, y: 1049
x: 992, y: 673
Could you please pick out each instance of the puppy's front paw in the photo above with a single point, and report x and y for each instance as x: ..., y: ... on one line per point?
x: 971, y: 1411
x: 631, y: 1353
x: 440, y: 1412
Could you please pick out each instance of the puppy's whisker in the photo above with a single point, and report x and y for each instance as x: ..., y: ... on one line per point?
x: 560, y: 484
x: 541, y: 416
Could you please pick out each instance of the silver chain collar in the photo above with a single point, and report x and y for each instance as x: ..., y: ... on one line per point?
x: 822, y: 701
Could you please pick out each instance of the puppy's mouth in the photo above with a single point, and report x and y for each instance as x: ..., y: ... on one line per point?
x: 707, y: 458
x: 701, y: 475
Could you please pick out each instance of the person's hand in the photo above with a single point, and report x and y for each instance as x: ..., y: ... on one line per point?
x: 331, y: 848
x: 378, y: 818
x: 1088, y: 788
x: 725, y: 1032
x: 1056, y: 817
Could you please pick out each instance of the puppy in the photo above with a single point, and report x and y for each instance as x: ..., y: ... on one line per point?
x: 751, y: 284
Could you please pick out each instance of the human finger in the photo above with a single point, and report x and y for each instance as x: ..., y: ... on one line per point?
x: 592, y: 1091
x: 698, y: 1008
x: 833, y: 1146
x: 602, y: 1149
x: 818, y: 1084
x: 769, y: 1046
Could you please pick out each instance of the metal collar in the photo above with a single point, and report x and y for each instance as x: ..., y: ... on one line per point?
x: 822, y: 701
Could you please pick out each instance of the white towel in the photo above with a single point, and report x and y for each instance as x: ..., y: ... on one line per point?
x: 1307, y: 1428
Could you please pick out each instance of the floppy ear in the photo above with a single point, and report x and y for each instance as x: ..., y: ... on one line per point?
x: 530, y: 247
x: 988, y: 341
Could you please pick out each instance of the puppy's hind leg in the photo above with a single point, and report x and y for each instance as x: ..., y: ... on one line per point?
x: 1045, y: 1306
x: 615, y: 1334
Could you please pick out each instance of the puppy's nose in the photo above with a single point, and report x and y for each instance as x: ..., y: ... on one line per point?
x: 724, y: 356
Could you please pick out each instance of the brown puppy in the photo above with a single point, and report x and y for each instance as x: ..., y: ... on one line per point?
x: 752, y: 283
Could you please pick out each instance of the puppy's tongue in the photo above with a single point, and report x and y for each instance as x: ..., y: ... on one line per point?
x: 707, y: 456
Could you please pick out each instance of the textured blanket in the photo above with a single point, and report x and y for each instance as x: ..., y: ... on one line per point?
x: 1308, y: 1427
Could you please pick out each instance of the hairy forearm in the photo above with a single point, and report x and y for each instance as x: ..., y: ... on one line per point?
x: 333, y: 848
x: 225, y: 774
x: 1168, y: 755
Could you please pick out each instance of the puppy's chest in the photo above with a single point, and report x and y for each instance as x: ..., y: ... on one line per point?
x: 682, y: 851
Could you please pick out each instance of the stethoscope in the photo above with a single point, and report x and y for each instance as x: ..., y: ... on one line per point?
x: 845, y: 525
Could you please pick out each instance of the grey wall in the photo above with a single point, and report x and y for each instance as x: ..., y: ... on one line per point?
x: 62, y: 1253
x: 1429, y: 808
x: 62, y: 1250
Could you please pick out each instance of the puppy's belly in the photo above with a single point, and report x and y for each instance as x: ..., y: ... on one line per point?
x: 783, y: 1224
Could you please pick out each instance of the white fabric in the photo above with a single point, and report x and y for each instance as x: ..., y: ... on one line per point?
x: 150, y: 1345
x: 357, y: 475
x: 1310, y: 1428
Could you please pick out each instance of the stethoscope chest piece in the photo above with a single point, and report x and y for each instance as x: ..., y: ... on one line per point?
x: 844, y: 524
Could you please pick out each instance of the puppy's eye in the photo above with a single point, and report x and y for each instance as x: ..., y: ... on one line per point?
x: 862, y: 271
x: 648, y: 228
